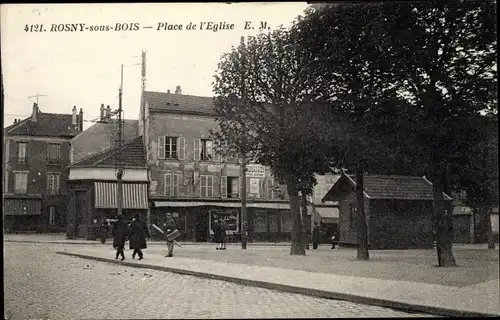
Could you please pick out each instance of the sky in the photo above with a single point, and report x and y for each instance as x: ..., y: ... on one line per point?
x: 82, y: 68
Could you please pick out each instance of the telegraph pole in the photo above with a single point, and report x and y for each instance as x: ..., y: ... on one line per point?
x: 119, y: 173
x: 143, y: 105
x: 244, y: 227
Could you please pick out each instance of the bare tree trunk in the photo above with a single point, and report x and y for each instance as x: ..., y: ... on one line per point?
x: 489, y: 231
x: 306, y: 221
x: 443, y: 242
x: 362, y: 229
x: 297, y: 246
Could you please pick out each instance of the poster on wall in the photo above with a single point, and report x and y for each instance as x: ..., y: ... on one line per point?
x: 254, y: 185
x: 231, y: 216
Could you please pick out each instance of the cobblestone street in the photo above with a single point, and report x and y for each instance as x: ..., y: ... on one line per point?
x: 42, y: 285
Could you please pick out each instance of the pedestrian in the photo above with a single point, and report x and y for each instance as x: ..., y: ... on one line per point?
x: 333, y: 241
x: 315, y: 235
x: 138, y: 233
x: 217, y: 233
x: 223, y: 235
x: 120, y: 233
x: 171, y: 232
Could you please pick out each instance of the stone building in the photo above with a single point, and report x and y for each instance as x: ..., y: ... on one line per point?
x: 36, y: 155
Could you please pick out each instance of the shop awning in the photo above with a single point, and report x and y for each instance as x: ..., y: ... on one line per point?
x: 21, y: 207
x: 135, y: 195
x: 328, y: 215
x: 262, y: 205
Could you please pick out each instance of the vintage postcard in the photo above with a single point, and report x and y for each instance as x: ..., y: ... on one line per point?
x: 250, y: 160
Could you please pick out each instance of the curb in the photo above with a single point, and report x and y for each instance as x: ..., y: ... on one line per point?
x: 298, y: 290
x: 108, y: 242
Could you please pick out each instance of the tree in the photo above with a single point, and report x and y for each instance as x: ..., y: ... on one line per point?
x: 264, y: 101
x: 432, y: 63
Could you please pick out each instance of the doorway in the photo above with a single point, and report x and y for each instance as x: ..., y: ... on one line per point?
x: 201, y: 225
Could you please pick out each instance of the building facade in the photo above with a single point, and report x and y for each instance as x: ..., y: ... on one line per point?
x: 36, y: 156
x: 92, y: 181
x: 191, y: 181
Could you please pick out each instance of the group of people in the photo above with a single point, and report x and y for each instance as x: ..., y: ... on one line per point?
x: 137, y: 232
x: 220, y: 236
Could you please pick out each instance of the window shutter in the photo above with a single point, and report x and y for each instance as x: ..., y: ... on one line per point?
x: 262, y: 188
x: 175, y: 188
x: 211, y: 186
x: 196, y: 149
x: 161, y: 147
x: 168, y: 184
x: 223, y: 186
x: 49, y: 184
x: 57, y: 183
x: 181, y: 148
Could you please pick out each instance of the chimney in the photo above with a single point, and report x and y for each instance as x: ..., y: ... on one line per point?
x: 102, y: 112
x: 15, y: 121
x: 178, y: 90
x: 35, y: 112
x: 168, y: 91
x: 80, y: 122
x: 73, y: 118
x: 108, y: 113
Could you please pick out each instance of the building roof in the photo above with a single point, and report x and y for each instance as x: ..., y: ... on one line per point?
x: 384, y: 187
x: 180, y: 103
x: 46, y: 125
x: 101, y: 137
x: 133, y: 155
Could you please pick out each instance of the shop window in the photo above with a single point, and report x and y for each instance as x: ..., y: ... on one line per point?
x: 259, y: 222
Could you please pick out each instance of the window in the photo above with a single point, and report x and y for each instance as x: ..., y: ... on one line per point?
x: 353, y: 216
x: 229, y: 187
x: 52, y: 216
x: 21, y: 152
x: 270, y: 189
x: 206, y: 150
x: 171, y: 187
x: 21, y: 182
x: 53, y: 183
x: 54, y: 152
x: 207, y: 186
x: 172, y: 148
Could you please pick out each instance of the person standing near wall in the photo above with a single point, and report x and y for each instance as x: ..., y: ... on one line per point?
x: 315, y: 235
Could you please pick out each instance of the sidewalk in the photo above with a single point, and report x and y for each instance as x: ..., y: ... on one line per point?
x: 60, y: 238
x: 476, y: 300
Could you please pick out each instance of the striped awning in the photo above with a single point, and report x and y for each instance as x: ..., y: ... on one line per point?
x: 135, y: 195
x: 21, y: 207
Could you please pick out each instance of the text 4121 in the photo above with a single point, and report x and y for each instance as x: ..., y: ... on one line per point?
x: 34, y: 28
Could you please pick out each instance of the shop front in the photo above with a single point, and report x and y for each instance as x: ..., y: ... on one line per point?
x: 268, y: 222
x: 94, y: 202
x: 22, y: 215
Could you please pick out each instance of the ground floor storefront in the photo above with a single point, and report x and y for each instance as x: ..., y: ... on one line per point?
x: 91, y: 203
x: 267, y: 221
x: 34, y: 214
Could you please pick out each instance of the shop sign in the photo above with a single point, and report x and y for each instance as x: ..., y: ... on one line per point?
x: 256, y: 171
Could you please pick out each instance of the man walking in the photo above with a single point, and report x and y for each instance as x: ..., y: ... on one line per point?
x: 170, y: 231
x: 138, y: 234
x: 120, y: 233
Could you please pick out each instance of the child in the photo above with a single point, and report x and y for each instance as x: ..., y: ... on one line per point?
x: 333, y: 241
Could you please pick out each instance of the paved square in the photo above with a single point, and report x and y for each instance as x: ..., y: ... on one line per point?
x: 40, y: 284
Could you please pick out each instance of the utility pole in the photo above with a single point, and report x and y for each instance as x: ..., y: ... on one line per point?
x: 143, y: 106
x: 37, y: 96
x: 244, y: 227
x: 119, y: 173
